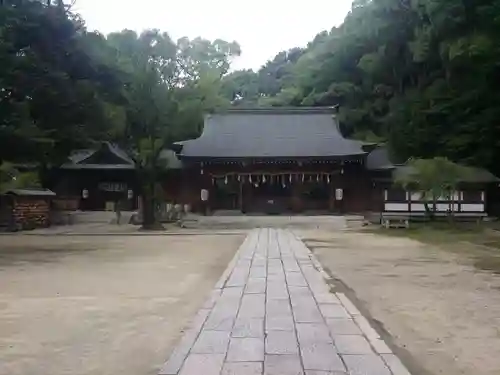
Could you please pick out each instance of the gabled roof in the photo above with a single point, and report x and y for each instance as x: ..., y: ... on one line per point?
x: 31, y: 192
x: 379, y: 160
x: 108, y: 156
x: 271, y: 133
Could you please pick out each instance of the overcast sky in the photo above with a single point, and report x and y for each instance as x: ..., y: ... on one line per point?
x: 261, y: 27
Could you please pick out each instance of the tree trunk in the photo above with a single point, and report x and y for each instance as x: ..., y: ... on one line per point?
x: 149, y: 217
x: 451, y: 209
x: 428, y: 211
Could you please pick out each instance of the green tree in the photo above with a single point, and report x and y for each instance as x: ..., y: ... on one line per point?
x: 53, y: 96
x: 12, y: 178
x: 168, y: 87
x: 432, y: 178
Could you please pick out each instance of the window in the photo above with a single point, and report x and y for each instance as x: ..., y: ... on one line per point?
x: 396, y: 195
x: 472, y: 196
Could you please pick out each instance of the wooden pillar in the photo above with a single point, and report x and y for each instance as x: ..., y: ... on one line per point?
x: 240, y: 196
x: 296, y: 197
x: 331, y: 199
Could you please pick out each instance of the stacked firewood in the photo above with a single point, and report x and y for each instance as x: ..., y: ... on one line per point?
x: 31, y: 213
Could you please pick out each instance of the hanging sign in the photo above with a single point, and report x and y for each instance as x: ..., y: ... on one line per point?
x: 112, y: 186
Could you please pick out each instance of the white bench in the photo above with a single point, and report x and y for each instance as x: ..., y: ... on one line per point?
x: 395, y: 221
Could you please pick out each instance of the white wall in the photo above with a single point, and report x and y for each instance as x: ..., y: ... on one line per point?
x: 442, y: 205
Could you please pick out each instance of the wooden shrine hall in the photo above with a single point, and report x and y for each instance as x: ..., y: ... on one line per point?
x: 277, y: 160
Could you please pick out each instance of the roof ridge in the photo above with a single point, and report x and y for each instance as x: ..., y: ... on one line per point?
x: 276, y: 110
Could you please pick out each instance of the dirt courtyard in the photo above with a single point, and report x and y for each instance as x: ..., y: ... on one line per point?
x: 102, y: 304
x: 441, y: 312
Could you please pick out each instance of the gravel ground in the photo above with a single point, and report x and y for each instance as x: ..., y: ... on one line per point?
x: 441, y: 312
x: 102, y: 304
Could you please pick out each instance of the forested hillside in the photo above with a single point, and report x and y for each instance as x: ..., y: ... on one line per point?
x: 420, y: 74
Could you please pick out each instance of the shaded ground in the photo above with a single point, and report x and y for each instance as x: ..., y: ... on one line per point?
x: 435, y: 299
x: 102, y: 305
x: 479, y: 243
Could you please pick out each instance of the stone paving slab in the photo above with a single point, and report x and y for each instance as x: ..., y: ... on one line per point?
x: 272, y: 313
x: 248, y: 327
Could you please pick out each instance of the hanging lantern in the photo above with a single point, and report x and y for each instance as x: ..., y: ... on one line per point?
x: 339, y: 194
x: 328, y: 178
x: 225, y: 180
x: 342, y: 171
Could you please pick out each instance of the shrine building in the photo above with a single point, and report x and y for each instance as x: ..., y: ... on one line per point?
x: 290, y: 160
x: 264, y: 161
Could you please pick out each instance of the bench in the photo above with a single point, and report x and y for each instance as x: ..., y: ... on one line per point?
x: 395, y: 221
x: 402, y: 219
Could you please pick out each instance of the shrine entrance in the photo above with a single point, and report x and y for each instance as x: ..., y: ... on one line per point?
x: 268, y: 197
x: 273, y: 194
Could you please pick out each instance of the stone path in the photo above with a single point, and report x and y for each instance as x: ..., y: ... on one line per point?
x: 272, y: 313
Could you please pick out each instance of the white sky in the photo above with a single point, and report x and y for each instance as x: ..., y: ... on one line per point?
x: 262, y: 27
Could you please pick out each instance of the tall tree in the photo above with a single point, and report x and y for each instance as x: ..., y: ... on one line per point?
x: 52, y: 94
x: 168, y: 87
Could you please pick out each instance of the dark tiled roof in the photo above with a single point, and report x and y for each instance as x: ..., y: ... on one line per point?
x: 271, y: 133
x: 85, y: 159
x: 379, y: 159
x: 471, y: 174
x: 31, y: 192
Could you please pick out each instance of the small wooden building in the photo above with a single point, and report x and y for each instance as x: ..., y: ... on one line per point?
x: 26, y: 208
x: 95, y: 179
x: 469, y: 201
